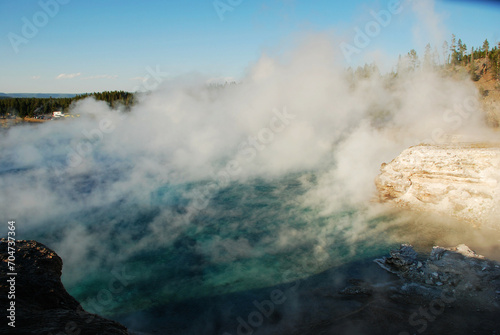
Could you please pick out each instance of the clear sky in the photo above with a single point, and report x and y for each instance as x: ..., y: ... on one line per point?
x: 76, y: 46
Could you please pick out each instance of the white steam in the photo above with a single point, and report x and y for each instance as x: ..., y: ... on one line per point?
x: 295, y: 114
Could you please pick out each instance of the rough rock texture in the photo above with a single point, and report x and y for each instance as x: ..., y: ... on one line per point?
x: 461, y: 180
x: 458, y: 271
x: 450, y: 291
x: 492, y: 107
x: 42, y: 304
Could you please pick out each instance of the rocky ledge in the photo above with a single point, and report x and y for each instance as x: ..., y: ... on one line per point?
x: 451, y: 291
x: 42, y: 304
x: 457, y: 272
x: 460, y: 180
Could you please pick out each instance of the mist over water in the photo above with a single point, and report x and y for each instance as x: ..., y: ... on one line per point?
x: 200, y: 191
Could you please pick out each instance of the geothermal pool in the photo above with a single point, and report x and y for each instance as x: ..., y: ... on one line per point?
x: 155, y: 253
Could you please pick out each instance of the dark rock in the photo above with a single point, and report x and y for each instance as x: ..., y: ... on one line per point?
x: 357, y: 287
x: 459, y: 270
x: 404, y: 262
x: 449, y: 291
x: 43, y: 306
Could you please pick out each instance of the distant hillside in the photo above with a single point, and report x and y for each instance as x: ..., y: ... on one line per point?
x: 21, y: 105
x: 489, y: 87
x: 36, y: 95
x: 480, y: 64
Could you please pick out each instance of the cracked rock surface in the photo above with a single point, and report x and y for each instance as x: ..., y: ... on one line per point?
x: 461, y: 180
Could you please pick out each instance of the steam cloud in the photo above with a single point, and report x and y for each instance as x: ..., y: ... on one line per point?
x: 298, y: 114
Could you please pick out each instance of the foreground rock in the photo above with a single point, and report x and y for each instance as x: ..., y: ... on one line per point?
x: 42, y: 305
x: 450, y: 291
x: 458, y: 273
x: 403, y: 297
x: 460, y: 180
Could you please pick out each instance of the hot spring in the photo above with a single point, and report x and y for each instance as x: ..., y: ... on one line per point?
x: 135, y: 205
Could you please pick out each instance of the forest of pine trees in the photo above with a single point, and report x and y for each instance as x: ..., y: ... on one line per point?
x: 31, y: 107
x: 456, y: 54
x: 452, y: 55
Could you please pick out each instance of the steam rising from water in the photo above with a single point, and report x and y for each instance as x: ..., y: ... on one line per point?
x: 229, y: 188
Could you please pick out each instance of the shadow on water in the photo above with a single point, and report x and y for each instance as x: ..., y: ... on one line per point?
x: 314, y: 305
x: 222, y: 271
x: 282, y: 308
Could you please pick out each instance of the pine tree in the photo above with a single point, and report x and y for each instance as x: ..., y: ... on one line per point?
x: 473, y: 67
x: 445, y: 53
x: 435, y: 56
x: 463, y: 52
x: 486, y: 47
x: 453, y: 49
x: 428, y: 63
x: 413, y: 59
x: 460, y: 52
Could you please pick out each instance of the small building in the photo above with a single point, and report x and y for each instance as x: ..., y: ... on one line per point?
x: 57, y: 114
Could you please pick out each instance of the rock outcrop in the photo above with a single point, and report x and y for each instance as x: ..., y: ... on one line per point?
x: 450, y: 291
x: 42, y: 304
x: 457, y: 271
x: 461, y: 180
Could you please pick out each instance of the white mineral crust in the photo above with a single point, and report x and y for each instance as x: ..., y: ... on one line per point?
x: 461, y: 180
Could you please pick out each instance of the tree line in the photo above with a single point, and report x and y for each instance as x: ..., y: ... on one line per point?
x: 454, y: 54
x: 451, y: 56
x: 30, y: 107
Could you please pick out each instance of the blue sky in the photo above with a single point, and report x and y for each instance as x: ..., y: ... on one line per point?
x: 84, y: 46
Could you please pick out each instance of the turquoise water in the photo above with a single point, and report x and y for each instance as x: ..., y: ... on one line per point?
x: 136, y: 247
x: 132, y: 246
x: 251, y: 235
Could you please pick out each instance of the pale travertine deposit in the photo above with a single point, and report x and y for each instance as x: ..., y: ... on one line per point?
x: 461, y: 180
